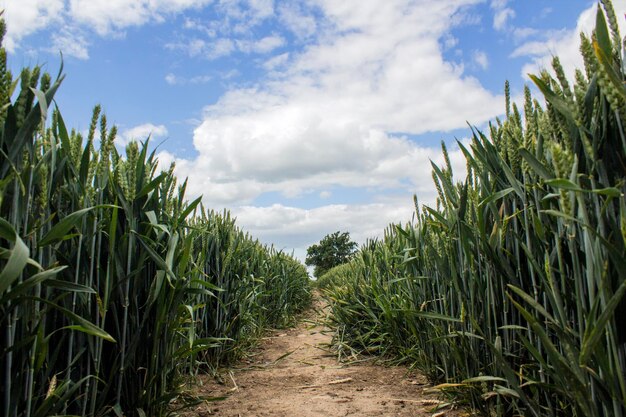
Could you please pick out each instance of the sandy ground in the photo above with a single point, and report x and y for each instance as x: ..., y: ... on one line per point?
x: 293, y: 373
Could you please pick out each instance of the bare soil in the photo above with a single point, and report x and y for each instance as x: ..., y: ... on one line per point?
x: 294, y: 373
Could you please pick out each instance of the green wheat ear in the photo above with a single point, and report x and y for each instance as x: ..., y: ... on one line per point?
x: 507, y: 97
x: 560, y: 75
x: 94, y: 123
x: 589, y: 57
x: 132, y: 155
x: 5, y: 75
x: 613, y: 26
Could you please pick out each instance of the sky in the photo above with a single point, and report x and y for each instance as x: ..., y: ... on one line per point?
x: 302, y: 117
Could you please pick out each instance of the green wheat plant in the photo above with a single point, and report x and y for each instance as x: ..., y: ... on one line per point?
x: 509, y: 294
x: 115, y: 289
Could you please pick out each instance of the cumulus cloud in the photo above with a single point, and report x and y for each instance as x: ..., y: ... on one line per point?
x: 28, y: 16
x: 71, y: 42
x: 141, y: 133
x: 276, y: 61
x: 107, y: 16
x: 375, y: 162
x: 220, y: 47
x: 111, y: 17
x: 209, y: 49
x: 501, y: 17
x: 261, y: 46
x: 502, y: 14
x: 261, y: 9
x: 480, y: 59
x: 338, y: 113
x: 449, y: 41
x: 302, y: 24
x: 299, y: 228
x: 332, y: 115
x: 249, y: 12
x: 173, y: 79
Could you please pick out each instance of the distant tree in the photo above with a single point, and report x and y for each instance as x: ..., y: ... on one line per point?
x: 335, y: 249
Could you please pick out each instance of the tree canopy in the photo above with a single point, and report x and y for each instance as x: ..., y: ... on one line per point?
x: 334, y: 249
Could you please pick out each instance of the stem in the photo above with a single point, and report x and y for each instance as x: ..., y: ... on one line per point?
x: 125, y: 317
x: 76, y: 276
x: 7, y: 373
x: 97, y: 340
x: 12, y: 317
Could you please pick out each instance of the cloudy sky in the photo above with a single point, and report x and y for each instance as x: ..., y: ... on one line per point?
x: 302, y: 117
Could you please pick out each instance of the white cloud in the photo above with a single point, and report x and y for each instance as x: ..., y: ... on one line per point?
x: 209, y: 49
x: 221, y: 47
x: 106, y: 16
x: 480, y: 59
x: 25, y: 17
x: 502, y: 17
x: 326, y: 119
x: 276, y: 62
x: 301, y: 24
x: 299, y: 228
x: 502, y: 14
x: 261, y: 46
x: 243, y: 15
x: 237, y: 171
x: 71, y: 42
x: 141, y: 133
x: 194, y: 47
x: 200, y: 79
x: 522, y: 33
x: 229, y: 32
x: 173, y: 79
x: 449, y: 41
x: 210, y: 30
x: 563, y: 43
x: 262, y: 9
x: 165, y: 160
x: 214, y: 48
x: 230, y: 74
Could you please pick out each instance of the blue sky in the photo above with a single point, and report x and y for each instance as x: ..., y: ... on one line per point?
x: 302, y: 117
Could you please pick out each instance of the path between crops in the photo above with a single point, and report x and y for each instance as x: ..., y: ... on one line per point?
x: 293, y: 373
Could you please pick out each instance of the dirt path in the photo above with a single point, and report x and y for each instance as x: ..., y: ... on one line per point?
x: 294, y: 374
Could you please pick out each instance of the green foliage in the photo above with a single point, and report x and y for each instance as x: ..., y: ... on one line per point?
x: 334, y: 249
x: 335, y: 276
x: 114, y: 290
x: 511, y: 292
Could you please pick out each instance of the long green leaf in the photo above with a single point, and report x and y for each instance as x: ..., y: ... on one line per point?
x: 17, y: 260
x: 60, y: 231
x: 82, y: 324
